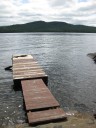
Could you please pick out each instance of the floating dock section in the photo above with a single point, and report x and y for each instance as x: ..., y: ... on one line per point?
x: 40, y: 104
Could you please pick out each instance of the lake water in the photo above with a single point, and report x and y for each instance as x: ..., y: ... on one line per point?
x: 63, y: 56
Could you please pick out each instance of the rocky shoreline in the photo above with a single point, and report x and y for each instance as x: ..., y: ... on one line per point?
x: 74, y: 120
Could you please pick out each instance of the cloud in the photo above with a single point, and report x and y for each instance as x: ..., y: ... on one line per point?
x: 60, y: 3
x: 71, y: 11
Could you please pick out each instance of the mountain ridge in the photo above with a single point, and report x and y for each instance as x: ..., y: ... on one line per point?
x: 42, y: 26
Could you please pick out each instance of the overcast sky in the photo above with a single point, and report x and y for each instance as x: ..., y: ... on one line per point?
x: 71, y: 11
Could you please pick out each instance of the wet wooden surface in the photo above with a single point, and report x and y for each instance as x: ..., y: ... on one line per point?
x: 46, y: 116
x: 37, y: 95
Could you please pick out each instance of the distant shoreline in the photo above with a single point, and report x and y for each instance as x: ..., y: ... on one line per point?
x: 42, y: 26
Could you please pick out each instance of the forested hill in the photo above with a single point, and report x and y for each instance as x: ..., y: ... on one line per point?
x: 41, y: 26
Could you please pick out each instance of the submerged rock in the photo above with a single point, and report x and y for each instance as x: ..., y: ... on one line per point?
x: 93, y: 56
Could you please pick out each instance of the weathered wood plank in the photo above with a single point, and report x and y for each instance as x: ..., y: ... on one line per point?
x: 36, y: 86
x: 41, y: 105
x: 35, y: 76
x: 17, y: 57
x: 17, y: 61
x: 34, y: 83
x: 36, y: 98
x: 29, y: 74
x: 46, y: 116
x: 27, y: 65
x: 39, y: 71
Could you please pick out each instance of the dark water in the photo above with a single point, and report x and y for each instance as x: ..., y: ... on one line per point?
x: 72, y: 74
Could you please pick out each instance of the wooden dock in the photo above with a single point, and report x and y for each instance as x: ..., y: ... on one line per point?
x: 25, y: 67
x: 40, y: 104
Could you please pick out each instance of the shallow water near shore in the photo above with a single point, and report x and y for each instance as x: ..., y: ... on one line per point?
x: 63, y: 56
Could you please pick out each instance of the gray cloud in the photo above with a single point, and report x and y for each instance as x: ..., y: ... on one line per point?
x: 71, y: 11
x: 58, y: 3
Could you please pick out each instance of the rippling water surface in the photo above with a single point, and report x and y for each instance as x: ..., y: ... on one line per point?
x: 63, y: 56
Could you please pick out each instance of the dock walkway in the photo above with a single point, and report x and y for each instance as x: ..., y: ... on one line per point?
x: 40, y: 104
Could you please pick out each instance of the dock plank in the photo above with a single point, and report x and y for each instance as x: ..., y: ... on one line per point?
x: 29, y: 76
x: 37, y: 95
x: 46, y: 116
x: 29, y: 72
